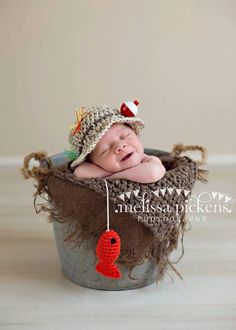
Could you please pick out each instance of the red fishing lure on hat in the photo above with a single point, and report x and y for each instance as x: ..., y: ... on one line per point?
x: 129, y: 109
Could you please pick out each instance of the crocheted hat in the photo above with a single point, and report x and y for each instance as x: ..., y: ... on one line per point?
x: 91, y: 124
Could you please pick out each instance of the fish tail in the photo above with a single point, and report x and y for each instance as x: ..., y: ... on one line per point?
x: 108, y: 270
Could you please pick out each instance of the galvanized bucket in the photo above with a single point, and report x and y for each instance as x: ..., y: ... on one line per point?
x: 79, y: 263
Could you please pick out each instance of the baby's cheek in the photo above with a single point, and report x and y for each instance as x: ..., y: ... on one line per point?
x: 111, y: 164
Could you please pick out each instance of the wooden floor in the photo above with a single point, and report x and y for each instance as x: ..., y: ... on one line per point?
x: 34, y: 294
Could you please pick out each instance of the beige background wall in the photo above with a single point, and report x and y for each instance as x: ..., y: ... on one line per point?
x: 176, y: 57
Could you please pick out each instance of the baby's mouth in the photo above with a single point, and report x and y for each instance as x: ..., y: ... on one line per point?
x: 127, y: 156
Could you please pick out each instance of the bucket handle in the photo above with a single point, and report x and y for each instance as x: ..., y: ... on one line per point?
x: 179, y: 148
x: 36, y: 172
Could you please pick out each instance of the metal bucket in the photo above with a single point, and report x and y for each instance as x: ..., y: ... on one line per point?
x: 79, y: 263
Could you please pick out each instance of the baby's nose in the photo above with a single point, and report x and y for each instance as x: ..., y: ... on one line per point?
x: 120, y: 146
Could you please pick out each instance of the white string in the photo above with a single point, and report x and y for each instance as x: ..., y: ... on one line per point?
x: 107, y: 205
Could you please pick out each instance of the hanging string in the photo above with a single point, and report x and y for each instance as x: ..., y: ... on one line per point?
x: 108, y: 229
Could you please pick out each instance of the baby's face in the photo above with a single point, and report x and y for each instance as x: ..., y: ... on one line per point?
x: 119, y: 141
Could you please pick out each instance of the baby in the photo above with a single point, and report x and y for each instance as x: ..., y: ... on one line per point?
x: 112, y: 149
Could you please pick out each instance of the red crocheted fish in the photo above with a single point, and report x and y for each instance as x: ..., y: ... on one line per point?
x: 107, y: 251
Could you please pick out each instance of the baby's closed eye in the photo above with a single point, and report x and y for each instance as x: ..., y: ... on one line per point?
x: 105, y: 151
x: 123, y: 136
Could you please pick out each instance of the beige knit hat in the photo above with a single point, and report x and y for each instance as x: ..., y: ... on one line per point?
x: 91, y: 124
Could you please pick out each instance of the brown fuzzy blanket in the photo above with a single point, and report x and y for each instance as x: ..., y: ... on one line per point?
x: 149, y: 218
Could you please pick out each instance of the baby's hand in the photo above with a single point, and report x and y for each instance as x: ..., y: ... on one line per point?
x: 148, y: 158
x: 148, y: 171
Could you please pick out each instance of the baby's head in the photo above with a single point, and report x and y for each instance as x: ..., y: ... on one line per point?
x: 117, y: 150
x: 104, y: 136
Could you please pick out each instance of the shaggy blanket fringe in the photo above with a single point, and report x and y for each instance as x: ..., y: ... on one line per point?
x: 81, y: 204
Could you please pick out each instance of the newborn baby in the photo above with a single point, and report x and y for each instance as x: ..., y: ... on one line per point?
x: 120, y: 155
x: 117, y: 153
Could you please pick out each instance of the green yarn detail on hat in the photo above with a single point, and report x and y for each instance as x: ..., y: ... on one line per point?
x: 71, y: 154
